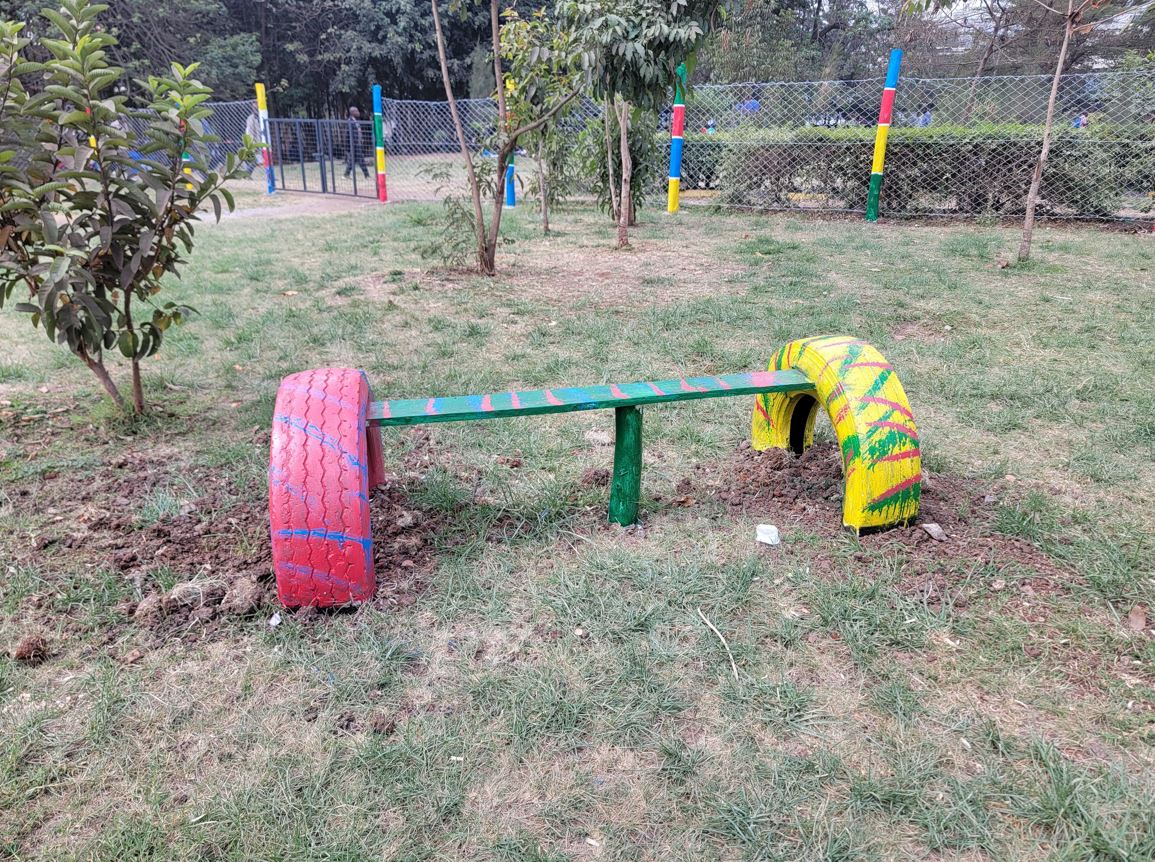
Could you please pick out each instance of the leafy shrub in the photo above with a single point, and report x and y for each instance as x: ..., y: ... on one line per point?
x: 454, y: 240
x: 92, y: 215
x: 701, y: 160
x: 646, y: 153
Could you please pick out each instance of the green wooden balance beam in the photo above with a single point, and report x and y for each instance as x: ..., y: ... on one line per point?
x: 625, y: 399
x: 326, y: 453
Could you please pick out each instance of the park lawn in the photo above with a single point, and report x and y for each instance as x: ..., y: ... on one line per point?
x: 535, y: 685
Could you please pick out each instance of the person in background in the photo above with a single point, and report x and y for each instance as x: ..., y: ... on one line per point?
x: 253, y: 130
x: 926, y: 117
x: 353, y: 156
x: 215, y: 153
x: 1081, y: 121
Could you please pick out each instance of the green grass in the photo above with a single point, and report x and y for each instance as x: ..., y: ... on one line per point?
x: 554, y: 694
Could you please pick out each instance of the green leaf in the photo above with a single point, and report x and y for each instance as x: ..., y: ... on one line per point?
x: 127, y: 344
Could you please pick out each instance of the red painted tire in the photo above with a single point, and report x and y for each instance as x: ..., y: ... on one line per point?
x: 323, y: 460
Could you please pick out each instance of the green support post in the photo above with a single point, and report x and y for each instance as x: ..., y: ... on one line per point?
x: 626, y: 490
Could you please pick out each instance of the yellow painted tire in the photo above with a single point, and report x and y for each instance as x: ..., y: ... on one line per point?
x: 862, y: 395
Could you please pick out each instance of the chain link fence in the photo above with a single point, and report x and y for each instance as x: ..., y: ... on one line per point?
x: 228, y: 123
x: 423, y: 157
x: 962, y: 147
x: 957, y: 146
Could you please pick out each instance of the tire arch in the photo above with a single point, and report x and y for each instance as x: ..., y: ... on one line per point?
x: 872, y: 419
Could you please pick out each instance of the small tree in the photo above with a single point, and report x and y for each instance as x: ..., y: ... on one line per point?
x: 97, y: 200
x: 637, y: 46
x: 1079, y: 17
x: 598, y: 167
x: 540, y: 59
x: 510, y: 128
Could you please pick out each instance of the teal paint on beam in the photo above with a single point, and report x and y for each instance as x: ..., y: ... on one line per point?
x: 502, y: 405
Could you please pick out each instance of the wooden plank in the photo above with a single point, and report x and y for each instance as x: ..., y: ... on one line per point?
x: 501, y: 405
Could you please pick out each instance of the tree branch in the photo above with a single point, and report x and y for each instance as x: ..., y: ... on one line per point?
x: 545, y: 118
x: 498, y: 75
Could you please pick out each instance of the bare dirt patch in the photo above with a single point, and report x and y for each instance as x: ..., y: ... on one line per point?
x: 586, y: 271
x: 663, y: 275
x: 204, y: 560
x: 32, y: 649
x: 806, y: 491
x: 294, y: 206
x: 404, y: 553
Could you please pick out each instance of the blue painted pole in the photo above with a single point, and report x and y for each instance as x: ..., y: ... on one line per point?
x: 510, y: 189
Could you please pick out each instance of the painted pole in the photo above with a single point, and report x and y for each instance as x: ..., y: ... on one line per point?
x: 510, y: 189
x: 880, y: 136
x: 266, y: 155
x: 379, y: 143
x: 677, y: 127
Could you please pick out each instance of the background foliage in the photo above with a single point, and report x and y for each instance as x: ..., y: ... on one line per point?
x: 319, y: 56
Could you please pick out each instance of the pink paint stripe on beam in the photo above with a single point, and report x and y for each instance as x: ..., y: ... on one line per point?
x: 654, y: 386
x: 553, y: 399
x: 763, y: 378
x: 616, y: 391
x: 514, y: 400
x: 487, y: 403
x: 722, y: 384
x: 430, y: 408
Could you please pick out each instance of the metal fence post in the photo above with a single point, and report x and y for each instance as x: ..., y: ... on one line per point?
x: 301, y: 155
x: 322, y: 137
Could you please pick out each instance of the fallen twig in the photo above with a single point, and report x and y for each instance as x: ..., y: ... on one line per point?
x: 714, y: 629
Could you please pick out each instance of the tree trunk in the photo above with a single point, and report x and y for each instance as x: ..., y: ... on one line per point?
x: 615, y: 208
x: 1037, y: 177
x: 97, y: 367
x: 137, y: 388
x: 627, y: 203
x: 543, y: 181
x: 485, y: 255
x: 498, y: 75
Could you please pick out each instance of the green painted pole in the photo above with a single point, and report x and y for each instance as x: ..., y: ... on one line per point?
x: 626, y: 490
